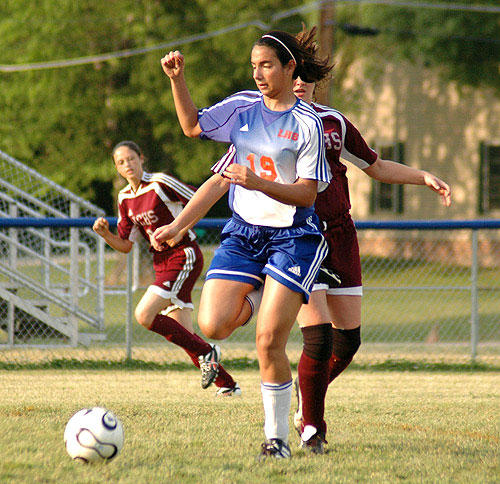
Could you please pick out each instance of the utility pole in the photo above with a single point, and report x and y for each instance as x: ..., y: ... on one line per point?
x: 326, y: 33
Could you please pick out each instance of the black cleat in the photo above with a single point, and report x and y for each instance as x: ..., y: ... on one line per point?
x: 312, y: 441
x: 229, y: 391
x: 209, y: 366
x: 276, y: 449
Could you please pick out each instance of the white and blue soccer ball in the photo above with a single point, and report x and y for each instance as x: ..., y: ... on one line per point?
x: 93, y: 435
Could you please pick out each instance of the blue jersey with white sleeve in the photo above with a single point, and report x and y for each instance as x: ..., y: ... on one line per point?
x: 280, y: 146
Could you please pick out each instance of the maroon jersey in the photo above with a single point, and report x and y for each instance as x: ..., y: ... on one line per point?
x: 157, y: 201
x: 342, y: 139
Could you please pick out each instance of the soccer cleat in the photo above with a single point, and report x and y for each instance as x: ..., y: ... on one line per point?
x: 312, y: 441
x: 326, y: 276
x: 275, y: 448
x: 209, y: 366
x: 229, y: 392
x: 297, y: 416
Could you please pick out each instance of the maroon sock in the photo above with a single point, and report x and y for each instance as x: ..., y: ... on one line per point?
x: 171, y: 330
x: 313, y: 382
x: 337, y: 366
x: 224, y: 379
x: 345, y: 345
x: 191, y: 343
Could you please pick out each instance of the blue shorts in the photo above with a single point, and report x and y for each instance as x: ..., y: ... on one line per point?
x: 290, y: 255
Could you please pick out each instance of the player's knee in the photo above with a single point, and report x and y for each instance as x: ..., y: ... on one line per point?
x: 268, y: 344
x: 346, y: 342
x: 318, y: 341
x: 212, y: 328
x: 217, y: 322
x: 143, y: 318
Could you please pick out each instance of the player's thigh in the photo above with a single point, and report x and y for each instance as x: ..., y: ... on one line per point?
x: 221, y: 301
x: 316, y: 311
x: 149, y: 306
x: 345, y: 311
x: 277, y: 314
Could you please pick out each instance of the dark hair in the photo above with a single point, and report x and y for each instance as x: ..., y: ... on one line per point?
x: 310, y: 68
x: 306, y: 38
x: 129, y: 144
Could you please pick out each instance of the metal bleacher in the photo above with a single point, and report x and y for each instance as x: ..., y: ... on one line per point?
x: 51, y: 278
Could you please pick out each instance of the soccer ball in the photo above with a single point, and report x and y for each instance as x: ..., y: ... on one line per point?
x: 93, y: 435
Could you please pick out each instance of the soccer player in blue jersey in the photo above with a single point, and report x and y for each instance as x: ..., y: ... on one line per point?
x: 273, y: 237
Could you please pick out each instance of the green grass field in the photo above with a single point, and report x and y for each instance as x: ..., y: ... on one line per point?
x: 384, y: 427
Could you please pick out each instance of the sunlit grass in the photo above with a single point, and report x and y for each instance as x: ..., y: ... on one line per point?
x: 383, y: 427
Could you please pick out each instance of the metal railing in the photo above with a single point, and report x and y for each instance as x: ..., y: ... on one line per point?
x: 431, y: 285
x: 45, y: 262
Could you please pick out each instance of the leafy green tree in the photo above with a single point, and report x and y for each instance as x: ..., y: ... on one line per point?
x: 64, y: 122
x: 463, y: 45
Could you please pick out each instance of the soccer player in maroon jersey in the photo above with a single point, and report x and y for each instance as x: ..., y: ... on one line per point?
x: 149, y: 201
x: 331, y: 325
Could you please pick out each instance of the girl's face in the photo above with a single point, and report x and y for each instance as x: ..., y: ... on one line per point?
x: 128, y: 163
x: 303, y: 90
x: 270, y: 76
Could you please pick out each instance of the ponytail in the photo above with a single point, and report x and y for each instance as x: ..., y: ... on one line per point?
x: 308, y: 66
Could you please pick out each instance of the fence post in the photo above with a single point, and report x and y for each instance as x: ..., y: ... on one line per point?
x: 74, y: 212
x: 101, y: 274
x: 47, y: 249
x: 13, y: 232
x: 474, y: 295
x: 11, y: 310
x: 130, y: 293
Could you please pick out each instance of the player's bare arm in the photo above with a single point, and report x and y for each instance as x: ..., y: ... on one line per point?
x: 101, y: 227
x: 438, y: 186
x: 197, y: 207
x: 187, y: 113
x: 387, y: 171
x: 302, y: 193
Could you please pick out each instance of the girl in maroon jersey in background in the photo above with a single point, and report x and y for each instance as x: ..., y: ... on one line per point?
x: 331, y: 325
x: 149, y: 201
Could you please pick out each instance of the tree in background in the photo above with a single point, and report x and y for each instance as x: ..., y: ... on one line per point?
x: 64, y: 122
x: 463, y: 45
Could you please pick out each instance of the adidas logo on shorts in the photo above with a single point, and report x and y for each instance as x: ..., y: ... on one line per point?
x: 294, y: 270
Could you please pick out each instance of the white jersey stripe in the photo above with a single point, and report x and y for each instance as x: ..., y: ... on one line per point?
x: 186, y: 269
x: 248, y: 96
x: 321, y: 172
x: 171, y: 182
x: 235, y: 273
x: 321, y: 253
x: 288, y: 278
x: 225, y: 161
x: 345, y: 291
x: 152, y: 181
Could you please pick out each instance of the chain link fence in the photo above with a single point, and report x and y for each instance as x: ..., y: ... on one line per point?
x: 429, y: 295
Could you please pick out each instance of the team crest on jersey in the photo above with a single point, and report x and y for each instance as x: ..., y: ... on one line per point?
x: 294, y: 270
x: 244, y: 128
x: 287, y: 134
x: 167, y: 284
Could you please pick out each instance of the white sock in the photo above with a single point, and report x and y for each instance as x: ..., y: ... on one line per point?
x: 276, y: 399
x: 254, y: 298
